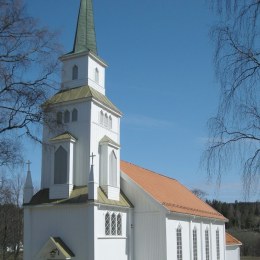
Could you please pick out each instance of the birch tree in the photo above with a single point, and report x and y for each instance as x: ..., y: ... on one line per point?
x: 234, y: 141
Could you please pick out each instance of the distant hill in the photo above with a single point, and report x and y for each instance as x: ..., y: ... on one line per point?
x: 244, y: 223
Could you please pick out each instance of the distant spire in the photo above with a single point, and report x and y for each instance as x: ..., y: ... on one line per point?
x: 28, y: 186
x: 85, y: 38
x: 28, y: 182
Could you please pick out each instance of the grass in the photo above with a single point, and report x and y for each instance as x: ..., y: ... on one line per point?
x: 250, y: 258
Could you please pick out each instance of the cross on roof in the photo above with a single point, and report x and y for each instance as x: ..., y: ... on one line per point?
x: 92, y: 157
x: 29, y: 163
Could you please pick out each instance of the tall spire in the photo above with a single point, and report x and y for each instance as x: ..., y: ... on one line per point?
x: 85, y: 38
x: 28, y: 186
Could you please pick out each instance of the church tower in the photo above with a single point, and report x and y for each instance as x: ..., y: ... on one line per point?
x: 80, y: 209
x: 87, y: 121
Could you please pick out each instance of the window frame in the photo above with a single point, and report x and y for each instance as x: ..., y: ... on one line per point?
x: 59, y: 117
x: 113, y: 224
x: 60, y: 165
x: 207, y: 248
x: 119, y: 224
x: 195, y: 243
x: 179, y: 243
x: 107, y: 224
x: 75, y: 72
x: 101, y: 117
x: 97, y: 75
x: 67, y: 116
x: 74, y: 115
x: 217, y: 244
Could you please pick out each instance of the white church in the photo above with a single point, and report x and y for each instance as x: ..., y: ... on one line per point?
x: 94, y: 206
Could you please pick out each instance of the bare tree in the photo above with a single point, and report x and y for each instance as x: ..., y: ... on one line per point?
x: 199, y: 193
x: 235, y: 130
x: 11, y: 216
x: 28, y: 61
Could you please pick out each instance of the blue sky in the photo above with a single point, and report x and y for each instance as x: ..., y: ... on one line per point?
x: 160, y: 75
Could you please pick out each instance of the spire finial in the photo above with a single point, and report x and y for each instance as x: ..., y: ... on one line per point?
x: 92, y: 157
x: 85, y: 38
x: 29, y: 163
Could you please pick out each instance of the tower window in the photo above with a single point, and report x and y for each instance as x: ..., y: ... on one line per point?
x: 97, y: 75
x: 101, y: 117
x: 75, y: 72
x: 66, y: 116
x: 179, y: 243
x: 107, y: 224
x: 59, y: 118
x: 60, y: 166
x: 113, y: 170
x: 74, y: 115
x: 119, y: 224
x: 113, y: 224
x: 106, y: 121
x: 110, y: 122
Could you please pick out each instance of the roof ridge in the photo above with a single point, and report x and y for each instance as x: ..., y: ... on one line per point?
x: 173, y: 179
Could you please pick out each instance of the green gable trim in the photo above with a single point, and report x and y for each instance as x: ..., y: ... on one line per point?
x: 59, y: 243
x: 73, y: 94
x: 85, y: 37
x: 108, y: 140
x: 79, y: 195
x: 63, y: 137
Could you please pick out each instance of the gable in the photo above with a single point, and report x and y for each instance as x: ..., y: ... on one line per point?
x: 169, y: 192
x: 55, y: 248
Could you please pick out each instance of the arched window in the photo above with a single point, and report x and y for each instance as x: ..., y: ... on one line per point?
x: 106, y: 121
x: 66, y: 116
x: 217, y: 245
x: 113, y: 224
x: 60, y: 166
x: 107, y: 224
x: 101, y: 117
x: 195, y: 244
x: 207, y: 243
x: 113, y: 169
x: 119, y: 225
x: 59, y: 118
x: 75, y: 72
x: 74, y: 115
x: 97, y: 75
x: 110, y: 122
x: 179, y: 243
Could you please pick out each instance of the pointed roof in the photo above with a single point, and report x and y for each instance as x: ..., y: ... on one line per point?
x: 85, y: 37
x: 169, y: 193
x: 231, y: 241
x: 28, y: 182
x: 66, y: 136
x: 77, y: 93
x: 55, y: 245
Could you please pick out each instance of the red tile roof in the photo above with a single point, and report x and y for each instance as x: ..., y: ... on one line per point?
x: 231, y: 241
x: 169, y: 192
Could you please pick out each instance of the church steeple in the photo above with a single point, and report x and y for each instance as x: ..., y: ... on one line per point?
x: 85, y: 38
x: 28, y: 186
x: 82, y: 66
